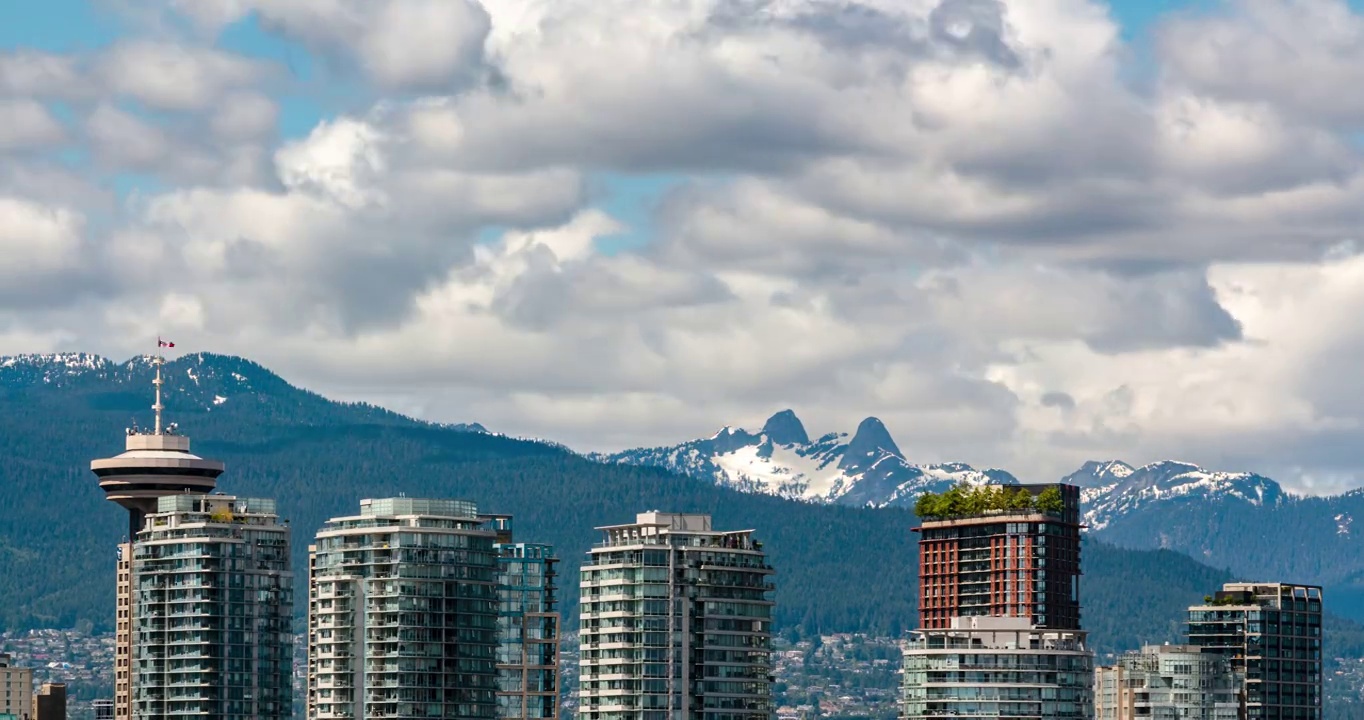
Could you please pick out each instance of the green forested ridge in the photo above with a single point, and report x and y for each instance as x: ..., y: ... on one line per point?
x: 839, y: 568
x: 1313, y: 540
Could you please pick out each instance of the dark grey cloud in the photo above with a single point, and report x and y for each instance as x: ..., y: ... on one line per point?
x: 1170, y: 310
x: 1057, y: 399
x: 974, y: 29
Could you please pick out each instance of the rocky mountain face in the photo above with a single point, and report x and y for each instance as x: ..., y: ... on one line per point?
x: 865, y: 469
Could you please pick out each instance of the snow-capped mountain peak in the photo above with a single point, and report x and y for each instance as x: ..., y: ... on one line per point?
x: 1099, y: 473
x: 1115, y: 489
x: 870, y: 444
x: 780, y: 459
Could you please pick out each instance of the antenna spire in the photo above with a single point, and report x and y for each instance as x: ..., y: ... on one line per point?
x: 158, y: 361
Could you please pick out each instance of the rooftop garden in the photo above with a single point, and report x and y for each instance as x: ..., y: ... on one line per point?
x: 963, y: 500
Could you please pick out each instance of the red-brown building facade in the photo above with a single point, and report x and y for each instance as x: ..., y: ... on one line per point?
x: 1006, y: 563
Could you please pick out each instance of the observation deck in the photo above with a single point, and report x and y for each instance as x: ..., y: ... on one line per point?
x: 154, y: 464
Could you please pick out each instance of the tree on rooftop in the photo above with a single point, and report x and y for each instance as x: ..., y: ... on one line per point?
x: 1050, y: 500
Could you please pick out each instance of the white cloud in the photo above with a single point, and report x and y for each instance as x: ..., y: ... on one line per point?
x: 398, y: 44
x: 244, y: 116
x: 338, y: 160
x: 1275, y: 403
x: 32, y: 73
x: 424, y: 43
x: 962, y: 216
x: 175, y: 77
x: 124, y: 140
x: 26, y: 124
x: 1296, y: 55
x: 37, y: 241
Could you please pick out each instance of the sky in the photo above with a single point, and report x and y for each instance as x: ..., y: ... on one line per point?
x: 1024, y: 234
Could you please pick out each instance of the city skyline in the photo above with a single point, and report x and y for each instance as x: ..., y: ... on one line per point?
x: 1024, y: 234
x: 1004, y: 561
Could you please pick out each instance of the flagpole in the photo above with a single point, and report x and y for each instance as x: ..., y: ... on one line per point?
x: 157, y: 361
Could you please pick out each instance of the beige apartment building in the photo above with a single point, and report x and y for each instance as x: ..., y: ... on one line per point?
x: 16, y: 688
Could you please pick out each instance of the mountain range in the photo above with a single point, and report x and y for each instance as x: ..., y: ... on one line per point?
x: 842, y: 566
x: 865, y: 470
x: 1237, y: 520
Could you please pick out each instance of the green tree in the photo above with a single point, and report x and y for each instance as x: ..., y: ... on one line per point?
x: 1020, y: 499
x: 1050, y: 500
x: 926, y: 505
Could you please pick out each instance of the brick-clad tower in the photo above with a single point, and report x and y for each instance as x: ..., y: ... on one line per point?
x: 1003, y: 551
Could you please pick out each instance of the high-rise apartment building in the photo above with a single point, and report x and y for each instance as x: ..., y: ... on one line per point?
x: 16, y: 688
x: 155, y: 463
x: 1271, y: 633
x: 50, y: 702
x: 403, y: 613
x: 1007, y: 557
x: 675, y: 623
x: 104, y: 709
x: 212, y: 607
x: 999, y: 607
x: 1167, y: 682
x: 528, y: 632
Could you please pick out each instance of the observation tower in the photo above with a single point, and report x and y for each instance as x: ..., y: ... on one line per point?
x: 154, y: 464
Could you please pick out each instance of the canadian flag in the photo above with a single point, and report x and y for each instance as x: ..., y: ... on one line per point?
x: 163, y: 343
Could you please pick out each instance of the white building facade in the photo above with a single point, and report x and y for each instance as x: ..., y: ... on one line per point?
x: 675, y: 623
x: 402, y: 616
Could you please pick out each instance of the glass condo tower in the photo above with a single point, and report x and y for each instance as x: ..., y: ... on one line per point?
x: 403, y: 613
x: 212, y: 607
x: 676, y: 623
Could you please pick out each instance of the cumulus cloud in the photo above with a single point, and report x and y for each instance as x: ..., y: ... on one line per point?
x: 175, y: 77
x: 962, y: 216
x: 399, y: 44
x: 1294, y: 55
x: 38, y: 74
x: 42, y: 246
x: 27, y: 124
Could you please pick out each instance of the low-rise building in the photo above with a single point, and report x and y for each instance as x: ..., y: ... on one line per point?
x: 50, y: 702
x: 1168, y: 682
x: 16, y: 688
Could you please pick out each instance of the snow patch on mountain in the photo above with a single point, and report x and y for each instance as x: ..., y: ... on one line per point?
x: 864, y: 469
x: 52, y: 368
